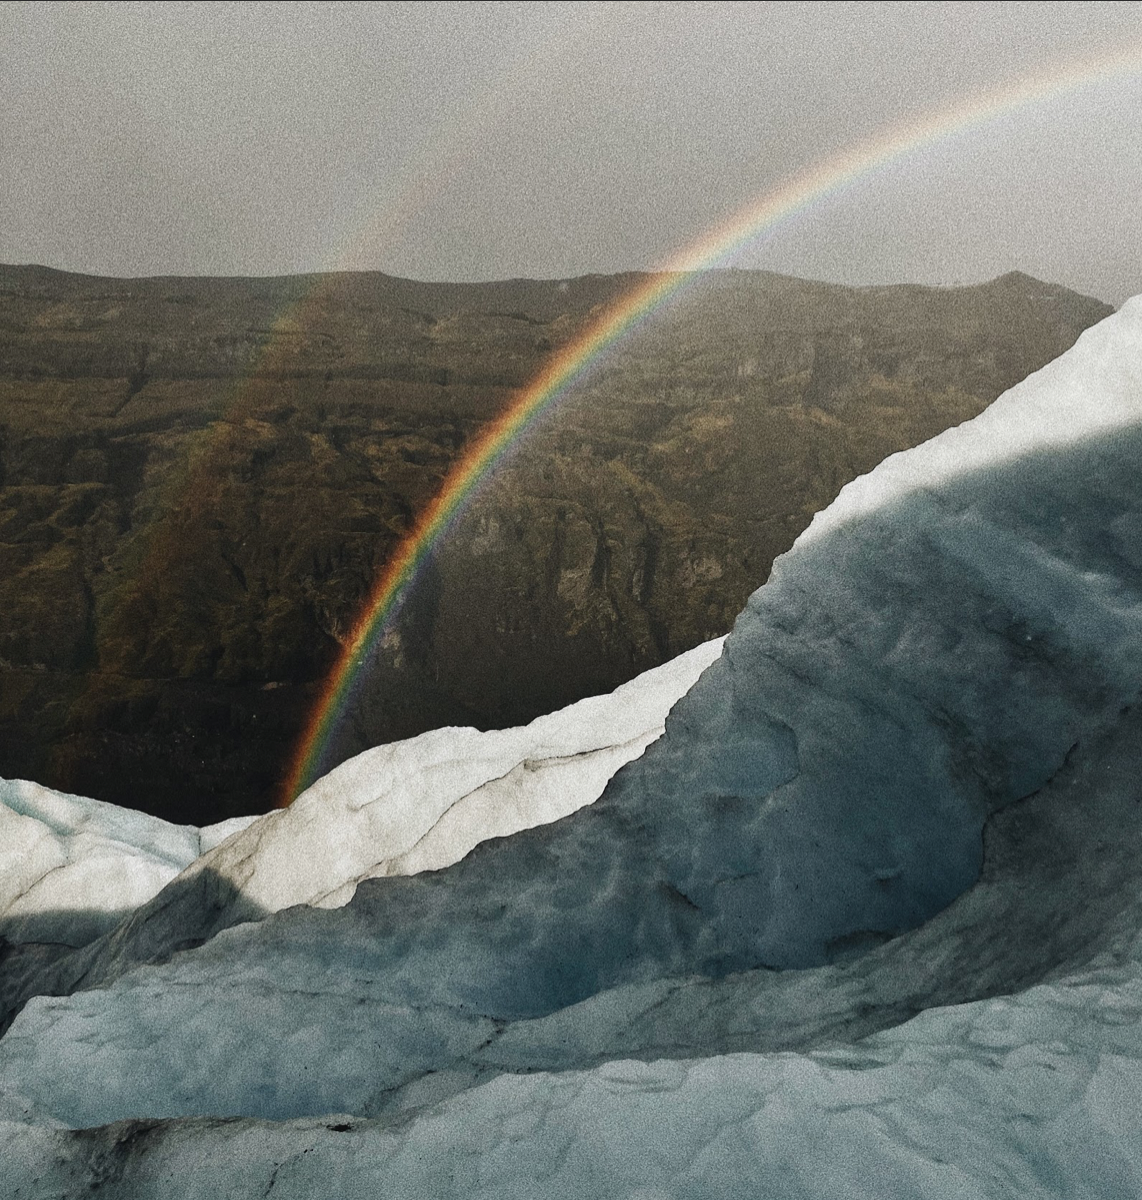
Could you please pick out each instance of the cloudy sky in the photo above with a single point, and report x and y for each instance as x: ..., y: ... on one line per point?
x: 479, y: 141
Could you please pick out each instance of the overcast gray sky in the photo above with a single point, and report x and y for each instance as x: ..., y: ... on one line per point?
x: 480, y: 141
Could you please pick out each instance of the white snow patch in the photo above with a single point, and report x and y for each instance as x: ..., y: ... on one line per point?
x: 424, y: 803
x: 70, y: 867
x: 1092, y: 389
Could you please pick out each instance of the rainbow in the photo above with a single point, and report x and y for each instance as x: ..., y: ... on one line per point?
x: 762, y: 216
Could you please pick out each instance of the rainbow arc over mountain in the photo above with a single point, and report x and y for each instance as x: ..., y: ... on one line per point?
x: 760, y: 217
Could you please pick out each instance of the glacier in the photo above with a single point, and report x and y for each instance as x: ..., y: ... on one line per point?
x: 80, y: 872
x: 864, y: 918
x: 72, y: 868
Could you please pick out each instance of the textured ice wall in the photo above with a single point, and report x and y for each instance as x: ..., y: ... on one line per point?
x: 930, y: 650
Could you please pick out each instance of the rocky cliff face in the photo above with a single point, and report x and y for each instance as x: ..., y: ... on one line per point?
x: 200, y: 479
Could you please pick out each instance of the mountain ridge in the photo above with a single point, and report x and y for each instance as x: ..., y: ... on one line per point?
x: 199, y: 485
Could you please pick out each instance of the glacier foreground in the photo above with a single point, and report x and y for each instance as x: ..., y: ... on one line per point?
x: 864, y: 920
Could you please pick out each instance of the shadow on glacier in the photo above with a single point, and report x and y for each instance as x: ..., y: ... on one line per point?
x: 72, y: 928
x: 35, y: 946
x: 151, y: 933
x: 1057, y: 897
x: 821, y: 789
x: 825, y: 783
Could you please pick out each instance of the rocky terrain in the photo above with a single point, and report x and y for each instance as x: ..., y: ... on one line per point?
x: 200, y: 479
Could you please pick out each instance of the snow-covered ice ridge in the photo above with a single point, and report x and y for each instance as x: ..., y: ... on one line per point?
x: 72, y: 868
x: 422, y: 804
x: 914, y: 772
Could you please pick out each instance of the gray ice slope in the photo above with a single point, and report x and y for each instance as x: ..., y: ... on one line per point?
x: 1032, y: 1094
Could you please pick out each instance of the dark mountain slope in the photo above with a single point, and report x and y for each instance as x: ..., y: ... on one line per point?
x: 201, y: 478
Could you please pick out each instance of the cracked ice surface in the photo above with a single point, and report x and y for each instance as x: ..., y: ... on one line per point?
x: 71, y: 867
x: 1037, y: 1095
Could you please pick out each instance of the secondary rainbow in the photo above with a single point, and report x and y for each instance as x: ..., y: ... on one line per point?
x: 760, y: 217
